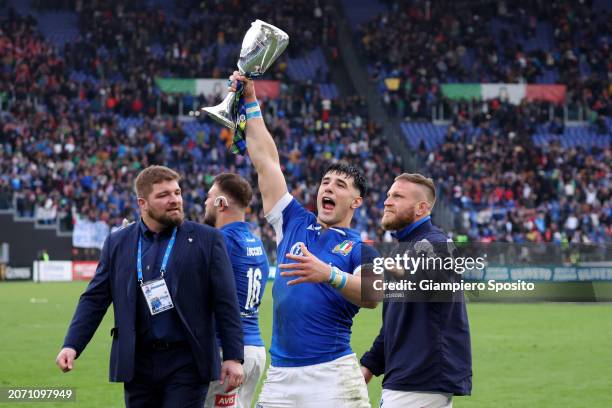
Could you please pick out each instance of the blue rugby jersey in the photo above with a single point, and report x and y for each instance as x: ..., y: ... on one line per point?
x: 311, y: 322
x: 251, y: 269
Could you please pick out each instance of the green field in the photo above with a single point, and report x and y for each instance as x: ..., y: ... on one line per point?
x: 525, y: 355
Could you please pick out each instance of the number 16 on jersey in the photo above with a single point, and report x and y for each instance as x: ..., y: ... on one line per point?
x: 254, y: 290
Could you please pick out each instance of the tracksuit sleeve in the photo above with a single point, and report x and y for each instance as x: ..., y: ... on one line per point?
x: 374, y: 359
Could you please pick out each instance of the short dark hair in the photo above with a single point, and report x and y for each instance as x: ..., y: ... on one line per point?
x: 143, y: 185
x: 427, y: 182
x: 236, y: 187
x: 352, y: 172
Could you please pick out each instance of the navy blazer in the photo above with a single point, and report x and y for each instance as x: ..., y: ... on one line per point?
x: 202, y: 289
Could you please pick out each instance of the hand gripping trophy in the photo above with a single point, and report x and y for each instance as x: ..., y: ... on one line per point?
x: 263, y: 43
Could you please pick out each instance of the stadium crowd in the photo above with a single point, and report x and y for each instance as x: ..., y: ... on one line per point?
x: 124, y: 46
x: 505, y: 188
x: 502, y: 186
x: 64, y: 152
x: 426, y: 45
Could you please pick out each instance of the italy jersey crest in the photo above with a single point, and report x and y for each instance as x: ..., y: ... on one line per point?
x: 344, y: 248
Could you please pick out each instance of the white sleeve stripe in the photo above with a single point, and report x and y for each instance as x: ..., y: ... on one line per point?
x: 357, y: 271
x: 275, y: 216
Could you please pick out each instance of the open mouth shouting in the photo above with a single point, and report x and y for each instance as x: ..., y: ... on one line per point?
x: 327, y: 204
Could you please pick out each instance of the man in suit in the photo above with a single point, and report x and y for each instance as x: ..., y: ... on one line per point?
x: 423, y: 348
x: 170, y: 282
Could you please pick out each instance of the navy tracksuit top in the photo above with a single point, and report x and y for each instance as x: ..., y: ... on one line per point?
x: 423, y: 346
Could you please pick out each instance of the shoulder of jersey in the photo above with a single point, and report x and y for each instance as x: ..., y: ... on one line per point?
x: 230, y: 234
x: 243, y: 238
x: 229, y: 229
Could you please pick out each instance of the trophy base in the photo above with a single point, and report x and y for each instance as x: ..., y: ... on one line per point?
x: 219, y: 117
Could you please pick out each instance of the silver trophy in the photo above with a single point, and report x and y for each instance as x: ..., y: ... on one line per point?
x: 263, y: 43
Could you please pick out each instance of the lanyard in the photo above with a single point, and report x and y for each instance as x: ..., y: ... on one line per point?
x: 164, y: 260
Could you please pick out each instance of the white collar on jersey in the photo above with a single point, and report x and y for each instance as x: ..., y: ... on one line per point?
x: 338, y: 230
x: 315, y: 227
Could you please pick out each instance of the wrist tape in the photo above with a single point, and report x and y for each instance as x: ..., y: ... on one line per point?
x: 337, y: 278
x: 252, y: 110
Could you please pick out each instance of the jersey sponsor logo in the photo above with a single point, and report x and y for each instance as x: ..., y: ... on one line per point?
x: 296, y: 249
x: 344, y: 248
x: 225, y: 401
x: 254, y: 251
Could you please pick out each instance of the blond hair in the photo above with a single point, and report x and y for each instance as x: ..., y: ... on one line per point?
x: 417, y: 178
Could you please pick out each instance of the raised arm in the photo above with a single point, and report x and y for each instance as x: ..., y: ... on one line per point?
x: 262, y: 150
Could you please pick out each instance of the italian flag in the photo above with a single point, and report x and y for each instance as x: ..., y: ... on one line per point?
x: 211, y: 87
x: 513, y: 93
x: 344, y: 247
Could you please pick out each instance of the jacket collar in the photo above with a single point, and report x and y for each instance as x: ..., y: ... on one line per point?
x: 404, y: 232
x: 144, y: 230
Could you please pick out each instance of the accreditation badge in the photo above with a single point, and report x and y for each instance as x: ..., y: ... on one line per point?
x: 157, y: 296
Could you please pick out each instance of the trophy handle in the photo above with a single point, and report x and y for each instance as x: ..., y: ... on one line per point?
x: 222, y: 113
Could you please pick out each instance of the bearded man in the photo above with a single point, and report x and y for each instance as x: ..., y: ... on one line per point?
x: 171, y: 284
x: 423, y: 348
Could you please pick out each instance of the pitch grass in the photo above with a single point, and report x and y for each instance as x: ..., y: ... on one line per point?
x: 525, y: 355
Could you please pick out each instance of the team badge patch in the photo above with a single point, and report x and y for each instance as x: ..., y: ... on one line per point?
x: 344, y: 247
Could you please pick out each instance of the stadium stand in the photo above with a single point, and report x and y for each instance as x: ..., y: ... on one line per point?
x: 555, y: 42
x: 81, y: 111
x: 513, y: 172
x: 84, y: 117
